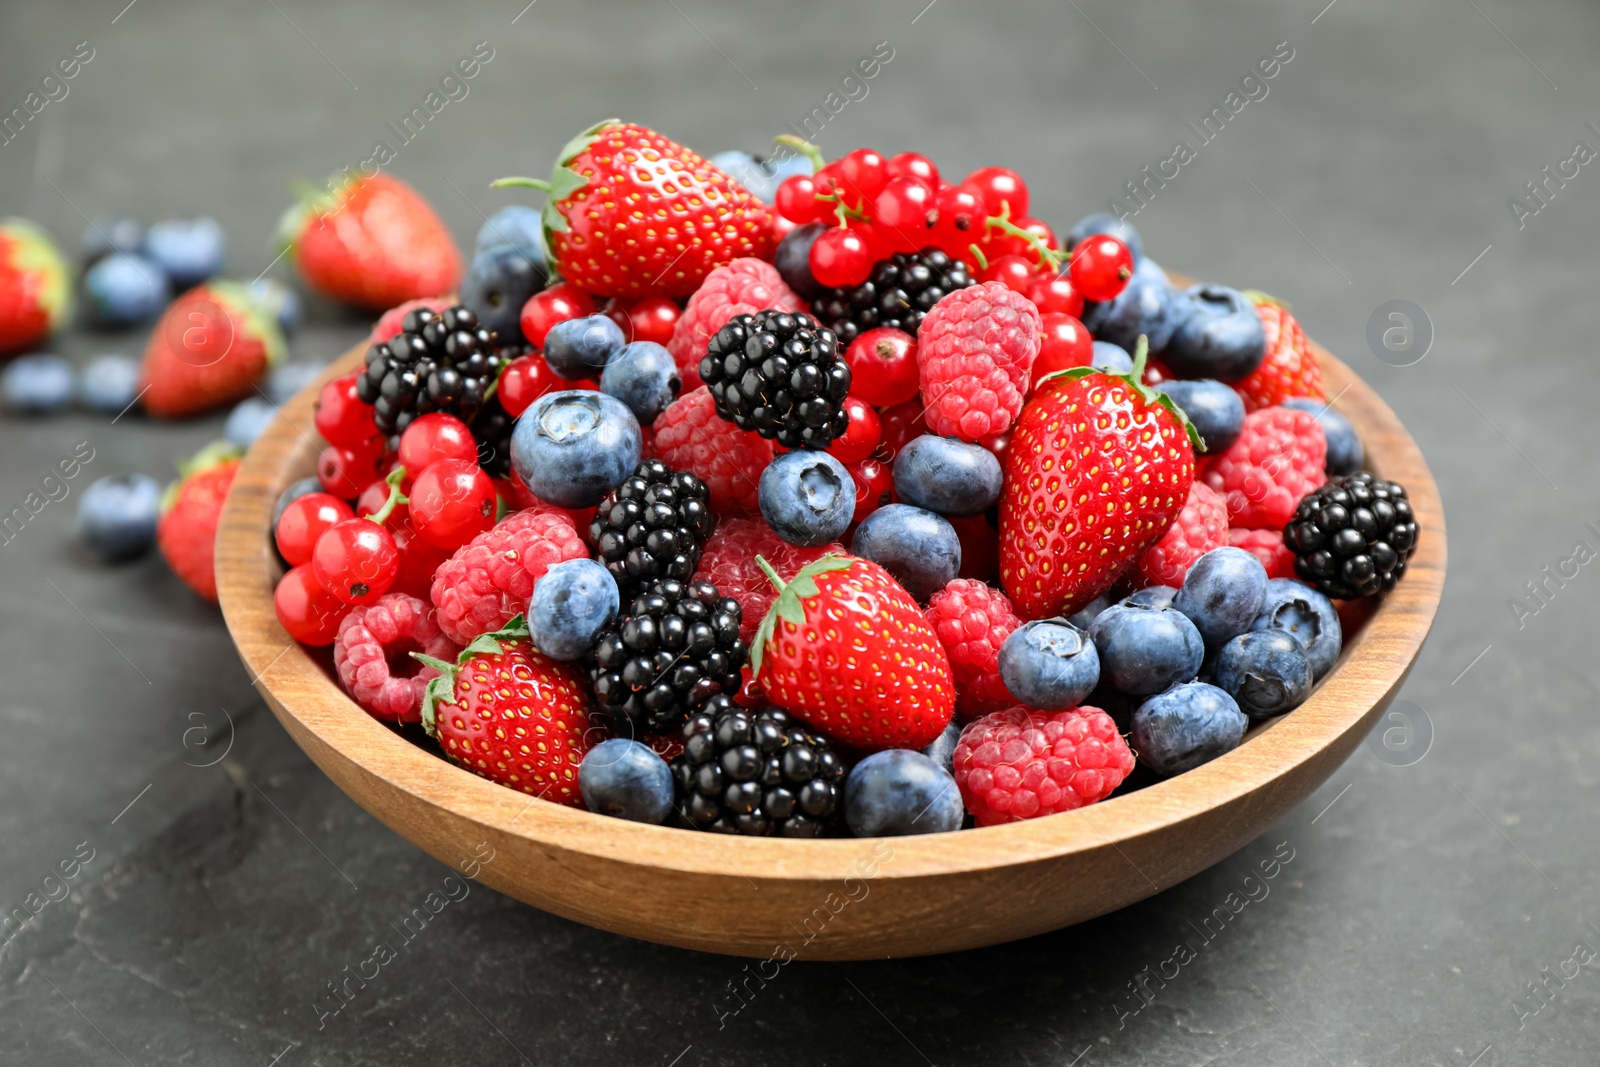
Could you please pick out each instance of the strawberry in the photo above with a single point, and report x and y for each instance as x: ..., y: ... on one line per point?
x: 35, y: 286
x: 847, y: 651
x: 634, y: 214
x: 1290, y: 367
x: 1098, y: 466
x: 372, y: 242
x: 211, y: 347
x: 187, y: 530
x: 506, y: 712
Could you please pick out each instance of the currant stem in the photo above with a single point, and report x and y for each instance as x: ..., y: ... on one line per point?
x: 395, y: 499
x: 1049, y: 258
x: 804, y: 147
x: 521, y: 183
x: 772, y: 575
x: 977, y: 254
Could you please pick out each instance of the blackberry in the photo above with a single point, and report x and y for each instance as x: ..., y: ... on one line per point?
x: 1352, y: 536
x: 898, y: 292
x: 781, y: 375
x: 652, y: 526
x: 675, y: 648
x: 756, y: 773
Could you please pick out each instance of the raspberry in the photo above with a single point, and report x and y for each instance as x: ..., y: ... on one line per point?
x: 975, y: 352
x: 1277, y: 460
x: 372, y: 655
x: 1268, y: 547
x: 490, y: 578
x: 1289, y: 369
x: 972, y: 621
x: 742, y: 287
x: 388, y: 324
x: 1020, y: 763
x: 729, y: 562
x: 1201, y: 526
x: 691, y: 436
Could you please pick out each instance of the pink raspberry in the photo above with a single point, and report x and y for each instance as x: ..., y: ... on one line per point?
x: 1277, y: 460
x: 972, y: 621
x: 975, y: 351
x: 691, y: 436
x: 388, y: 324
x: 742, y: 287
x: 1020, y: 763
x: 1201, y: 526
x: 490, y: 578
x: 1268, y: 547
x: 729, y: 563
x: 372, y: 655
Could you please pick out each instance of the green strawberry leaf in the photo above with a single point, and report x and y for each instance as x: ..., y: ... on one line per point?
x: 1258, y: 298
x: 443, y: 688
x: 564, y: 181
x: 790, y: 603
x: 1135, y: 380
x: 260, y: 324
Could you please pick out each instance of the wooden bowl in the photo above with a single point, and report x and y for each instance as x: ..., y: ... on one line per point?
x: 832, y: 899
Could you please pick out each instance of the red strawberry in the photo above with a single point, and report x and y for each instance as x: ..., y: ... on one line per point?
x: 506, y: 712
x: 35, y: 286
x: 634, y: 214
x: 372, y: 242
x: 187, y: 531
x: 211, y: 347
x: 1290, y: 367
x: 847, y: 651
x: 1098, y: 466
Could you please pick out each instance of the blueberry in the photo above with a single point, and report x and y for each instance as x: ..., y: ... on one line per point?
x: 1108, y: 224
x: 1152, y: 596
x: 117, y: 516
x: 107, y: 235
x: 249, y: 418
x: 571, y: 604
x: 518, y: 225
x: 643, y: 376
x: 622, y: 778
x: 37, y: 384
x: 109, y: 383
x: 1186, y: 726
x: 1147, y: 305
x: 1218, y: 336
x: 897, y: 792
x: 1222, y: 594
x: 1085, y: 616
x: 1215, y: 409
x: 807, y: 497
x: 570, y: 447
x: 1110, y: 357
x: 1145, y: 650
x: 918, y: 547
x: 285, y: 381
x: 189, y: 250
x: 1266, y: 672
x: 793, y: 259
x: 1307, y: 615
x: 947, y: 476
x: 942, y: 749
x: 123, y: 290
x: 499, y: 281
x: 294, y: 492
x: 279, y: 301
x: 580, y: 348
x: 1346, y: 454
x: 1049, y: 664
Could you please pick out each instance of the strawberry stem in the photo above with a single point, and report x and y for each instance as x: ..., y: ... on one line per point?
x: 521, y: 183
x: 804, y: 147
x: 766, y: 568
x: 396, y: 497
x: 1141, y: 354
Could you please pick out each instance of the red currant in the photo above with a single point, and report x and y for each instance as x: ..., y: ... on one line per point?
x: 841, y: 257
x: 1066, y: 344
x: 999, y: 243
x: 960, y: 223
x: 341, y: 418
x: 304, y: 520
x: 307, y: 610
x: 433, y: 437
x: 452, y: 501
x: 861, y: 437
x: 781, y: 227
x: 883, y: 366
x: 1101, y: 267
x: 863, y: 173
x: 914, y: 165
x: 874, y: 487
x: 355, y: 561
x: 1018, y: 273
x: 652, y: 319
x: 796, y: 199
x: 905, y: 213
x: 344, y: 472
x: 526, y: 379
x: 1055, y: 292
x: 1000, y: 187
x: 901, y: 423
x: 558, y: 303
x: 372, y: 500
x: 418, y: 561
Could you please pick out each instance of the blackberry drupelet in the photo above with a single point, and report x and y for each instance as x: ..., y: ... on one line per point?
x: 652, y: 526
x: 756, y: 773
x: 675, y: 648
x: 898, y: 292
x: 781, y: 375
x: 1352, y: 536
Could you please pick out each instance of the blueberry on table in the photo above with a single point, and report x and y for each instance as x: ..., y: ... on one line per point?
x: 898, y: 792
x: 1185, y: 726
x: 124, y: 290
x: 1265, y: 671
x: 248, y: 420
x: 117, y: 516
x: 1049, y: 664
x: 1145, y: 650
x: 1298, y: 610
x: 625, y: 779
x: 919, y: 548
x: 1223, y: 593
x: 189, y: 250
x: 37, y: 385
x: 108, y: 383
x: 106, y: 236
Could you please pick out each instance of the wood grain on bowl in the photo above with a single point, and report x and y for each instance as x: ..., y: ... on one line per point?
x: 833, y: 899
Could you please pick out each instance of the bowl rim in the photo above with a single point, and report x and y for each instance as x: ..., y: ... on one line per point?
x: 306, y: 698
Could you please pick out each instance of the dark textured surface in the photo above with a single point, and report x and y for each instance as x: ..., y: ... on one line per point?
x: 1420, y: 901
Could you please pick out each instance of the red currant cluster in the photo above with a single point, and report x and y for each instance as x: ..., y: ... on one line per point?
x: 650, y: 318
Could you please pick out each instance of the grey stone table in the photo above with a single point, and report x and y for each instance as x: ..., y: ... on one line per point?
x: 1438, y: 906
